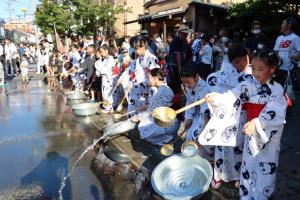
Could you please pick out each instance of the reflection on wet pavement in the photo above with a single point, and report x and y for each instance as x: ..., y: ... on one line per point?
x: 41, y: 139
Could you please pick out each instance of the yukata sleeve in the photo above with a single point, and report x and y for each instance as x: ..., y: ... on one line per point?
x: 110, y: 66
x: 163, y: 97
x: 153, y: 63
x: 269, y: 122
x: 221, y: 130
x: 204, y: 109
x: 189, y: 114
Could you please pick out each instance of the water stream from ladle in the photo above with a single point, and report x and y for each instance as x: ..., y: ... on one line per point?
x: 63, y: 182
x: 90, y: 147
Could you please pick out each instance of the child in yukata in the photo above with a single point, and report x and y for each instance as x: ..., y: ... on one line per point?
x: 24, y: 69
x: 235, y: 70
x: 196, y: 117
x: 104, y: 68
x: 125, y: 78
x: 163, y: 96
x: 146, y: 61
x: 266, y: 110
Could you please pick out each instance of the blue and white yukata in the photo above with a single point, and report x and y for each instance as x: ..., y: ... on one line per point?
x: 228, y: 159
x: 262, y: 148
x: 104, y: 68
x: 148, y: 129
x: 141, y: 91
x: 197, y: 114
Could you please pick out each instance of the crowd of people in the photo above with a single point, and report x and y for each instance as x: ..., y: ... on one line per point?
x: 244, y: 83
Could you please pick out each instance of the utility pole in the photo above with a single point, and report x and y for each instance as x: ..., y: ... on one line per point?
x: 19, y: 16
x: 10, y: 9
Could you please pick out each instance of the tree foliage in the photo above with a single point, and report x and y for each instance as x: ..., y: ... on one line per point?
x: 269, y: 12
x: 75, y: 16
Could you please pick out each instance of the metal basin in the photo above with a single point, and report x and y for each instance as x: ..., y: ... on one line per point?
x: 75, y: 95
x: 178, y: 177
x: 120, y: 127
x: 85, y: 109
x: 116, y: 156
x: 74, y: 102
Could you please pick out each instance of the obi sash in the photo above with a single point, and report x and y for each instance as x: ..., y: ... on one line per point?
x: 253, y: 110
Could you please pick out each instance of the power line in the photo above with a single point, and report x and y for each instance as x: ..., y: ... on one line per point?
x: 10, y: 9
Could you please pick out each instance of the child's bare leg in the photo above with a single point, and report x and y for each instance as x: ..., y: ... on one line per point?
x: 92, y: 94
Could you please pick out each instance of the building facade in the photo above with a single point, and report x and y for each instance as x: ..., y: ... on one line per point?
x: 136, y: 8
x: 163, y: 16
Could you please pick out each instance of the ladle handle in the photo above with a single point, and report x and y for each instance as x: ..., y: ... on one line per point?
x: 201, y: 101
x: 133, y: 111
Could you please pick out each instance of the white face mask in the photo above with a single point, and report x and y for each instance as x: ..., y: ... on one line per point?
x: 256, y: 31
x: 260, y: 46
x: 224, y: 39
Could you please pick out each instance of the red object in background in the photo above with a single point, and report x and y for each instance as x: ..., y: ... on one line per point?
x: 116, y: 70
x: 59, y: 44
x: 288, y: 100
x: 177, y: 104
x: 253, y: 110
x: 132, y: 75
x: 161, y: 63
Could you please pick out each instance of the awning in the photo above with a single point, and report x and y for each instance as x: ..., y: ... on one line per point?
x: 140, y: 18
x: 210, y: 5
x: 168, y: 12
x: 130, y: 22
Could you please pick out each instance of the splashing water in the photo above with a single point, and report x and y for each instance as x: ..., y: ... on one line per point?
x: 64, y: 179
x: 105, y: 137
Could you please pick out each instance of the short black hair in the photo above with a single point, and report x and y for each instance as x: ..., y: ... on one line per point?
x: 237, y: 50
x: 188, y: 70
x: 291, y: 21
x: 75, y: 46
x: 157, y: 72
x: 91, y: 46
x: 140, y: 43
x: 104, y: 47
x: 68, y: 65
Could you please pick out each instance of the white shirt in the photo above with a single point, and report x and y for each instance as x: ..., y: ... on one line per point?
x: 10, y: 50
x: 126, y: 45
x: 76, y: 58
x: 1, y: 50
x: 206, y: 54
x: 105, y: 66
x: 287, y: 45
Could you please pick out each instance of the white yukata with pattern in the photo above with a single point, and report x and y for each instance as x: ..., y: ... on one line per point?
x: 104, y: 67
x: 140, y: 92
x: 261, y: 150
x: 148, y: 129
x: 197, y: 114
x: 228, y: 159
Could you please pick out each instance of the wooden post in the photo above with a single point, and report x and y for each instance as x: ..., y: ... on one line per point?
x: 165, y: 31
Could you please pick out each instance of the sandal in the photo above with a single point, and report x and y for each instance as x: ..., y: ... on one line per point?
x: 216, y: 184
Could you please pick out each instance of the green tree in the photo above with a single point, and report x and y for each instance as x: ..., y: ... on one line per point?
x: 79, y: 16
x: 269, y: 12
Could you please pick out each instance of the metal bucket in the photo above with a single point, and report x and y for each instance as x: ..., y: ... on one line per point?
x: 85, y: 109
x: 75, y: 95
x: 178, y: 177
